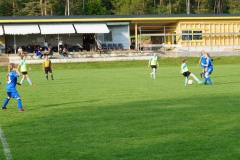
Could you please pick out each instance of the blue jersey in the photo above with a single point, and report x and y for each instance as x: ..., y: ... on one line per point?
x: 209, y: 62
x: 38, y: 52
x: 203, y: 60
x: 12, y: 81
x: 209, y: 65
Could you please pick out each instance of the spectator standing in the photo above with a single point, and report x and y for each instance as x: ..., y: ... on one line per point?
x: 60, y: 44
x: 91, y: 41
x: 45, y: 45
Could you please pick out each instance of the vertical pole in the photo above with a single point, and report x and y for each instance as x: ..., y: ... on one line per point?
x: 164, y: 38
x: 15, y: 46
x: 58, y: 43
x: 136, y: 37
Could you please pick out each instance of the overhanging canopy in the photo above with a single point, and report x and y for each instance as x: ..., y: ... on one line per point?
x: 21, y: 29
x: 56, y: 28
x: 91, y: 28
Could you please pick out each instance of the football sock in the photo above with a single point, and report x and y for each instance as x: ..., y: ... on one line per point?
x: 21, y: 82
x: 154, y: 75
x: 29, y: 81
x: 186, y: 81
x: 196, y: 78
x: 205, y: 80
x: 209, y: 79
x: 19, y: 102
x: 5, y: 102
x: 47, y: 77
x: 52, y: 77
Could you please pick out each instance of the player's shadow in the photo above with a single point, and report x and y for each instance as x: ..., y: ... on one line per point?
x: 77, y: 102
x: 226, y: 82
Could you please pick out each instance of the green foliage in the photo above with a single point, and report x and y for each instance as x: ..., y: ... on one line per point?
x: 95, y: 7
x: 103, y: 7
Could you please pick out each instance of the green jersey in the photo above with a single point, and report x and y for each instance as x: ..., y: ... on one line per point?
x: 154, y: 60
x: 184, y: 67
x: 23, y: 66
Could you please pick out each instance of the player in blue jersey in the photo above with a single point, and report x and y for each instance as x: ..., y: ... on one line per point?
x: 186, y: 73
x: 203, y: 63
x: 209, y: 69
x: 154, y: 63
x: 12, y: 92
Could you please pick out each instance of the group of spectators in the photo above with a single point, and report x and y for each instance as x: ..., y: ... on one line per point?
x: 40, y: 51
x: 63, y: 48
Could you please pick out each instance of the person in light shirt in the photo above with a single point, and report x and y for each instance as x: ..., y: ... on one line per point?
x: 23, y: 68
x: 154, y: 63
x: 186, y: 73
x: 203, y: 62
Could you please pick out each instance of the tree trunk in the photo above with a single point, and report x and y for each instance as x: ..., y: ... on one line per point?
x: 66, y: 8
x: 40, y: 3
x: 188, y: 6
x: 45, y: 7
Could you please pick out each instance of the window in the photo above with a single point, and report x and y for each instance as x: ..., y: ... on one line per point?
x: 108, y: 37
x: 197, y: 35
x: 191, y: 35
x: 187, y: 35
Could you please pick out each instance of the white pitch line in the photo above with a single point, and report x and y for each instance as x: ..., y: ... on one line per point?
x: 5, y: 146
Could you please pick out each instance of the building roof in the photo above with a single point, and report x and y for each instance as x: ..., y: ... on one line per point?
x: 109, y: 18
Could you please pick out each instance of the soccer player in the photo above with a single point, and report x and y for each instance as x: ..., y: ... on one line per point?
x: 23, y: 69
x: 47, y: 67
x: 203, y: 63
x: 209, y: 69
x: 154, y: 63
x: 186, y: 73
x: 12, y: 92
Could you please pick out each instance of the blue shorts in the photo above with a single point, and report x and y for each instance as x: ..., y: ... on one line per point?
x: 203, y: 66
x: 13, y: 94
x: 209, y: 70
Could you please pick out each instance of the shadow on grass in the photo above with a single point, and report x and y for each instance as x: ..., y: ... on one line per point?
x: 161, y: 128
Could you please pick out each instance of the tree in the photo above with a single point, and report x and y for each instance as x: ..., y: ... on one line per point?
x: 95, y: 7
x: 233, y: 6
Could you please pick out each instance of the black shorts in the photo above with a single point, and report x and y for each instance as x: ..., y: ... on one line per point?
x: 154, y: 66
x: 48, y: 69
x: 186, y: 74
x: 24, y: 73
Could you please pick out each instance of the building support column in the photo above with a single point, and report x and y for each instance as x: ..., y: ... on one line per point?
x: 136, y: 37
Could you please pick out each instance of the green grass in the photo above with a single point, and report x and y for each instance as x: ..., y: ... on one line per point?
x: 114, y: 110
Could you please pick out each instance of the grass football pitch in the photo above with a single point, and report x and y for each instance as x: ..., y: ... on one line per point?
x: 122, y: 113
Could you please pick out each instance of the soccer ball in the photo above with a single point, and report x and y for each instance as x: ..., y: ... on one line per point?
x: 190, y: 81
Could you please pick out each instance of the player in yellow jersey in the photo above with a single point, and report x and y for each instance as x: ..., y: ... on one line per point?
x: 23, y: 68
x: 186, y: 73
x: 47, y: 67
x: 154, y: 63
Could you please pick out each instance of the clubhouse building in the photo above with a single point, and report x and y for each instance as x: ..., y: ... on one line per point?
x: 188, y: 32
